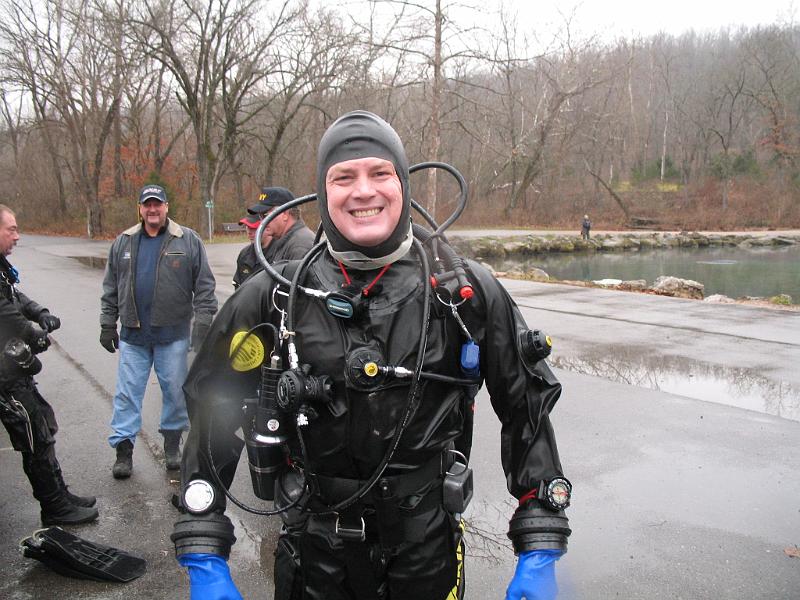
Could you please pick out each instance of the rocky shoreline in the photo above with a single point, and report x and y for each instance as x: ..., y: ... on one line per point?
x: 526, y: 245
x: 488, y: 248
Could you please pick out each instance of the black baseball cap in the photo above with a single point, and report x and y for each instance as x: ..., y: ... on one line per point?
x: 269, y: 198
x: 152, y: 191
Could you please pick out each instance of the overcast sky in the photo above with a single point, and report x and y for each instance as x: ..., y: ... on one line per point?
x: 628, y: 18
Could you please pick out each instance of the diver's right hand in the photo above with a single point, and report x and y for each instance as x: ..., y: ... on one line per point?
x: 210, y: 577
x: 109, y: 338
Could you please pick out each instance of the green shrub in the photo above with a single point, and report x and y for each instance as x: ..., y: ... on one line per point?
x: 652, y: 170
x: 782, y: 299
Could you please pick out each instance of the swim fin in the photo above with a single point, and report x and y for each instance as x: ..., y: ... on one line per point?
x: 70, y: 555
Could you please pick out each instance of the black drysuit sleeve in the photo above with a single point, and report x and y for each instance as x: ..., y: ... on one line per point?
x: 15, y: 320
x: 215, y: 389
x: 523, y: 393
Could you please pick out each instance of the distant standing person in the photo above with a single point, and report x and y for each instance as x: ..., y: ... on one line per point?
x: 586, y: 227
x: 157, y: 275
x: 26, y: 415
x: 286, y: 237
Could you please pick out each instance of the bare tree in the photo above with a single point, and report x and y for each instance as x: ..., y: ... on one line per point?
x: 727, y: 106
x: 312, y: 58
x: 217, y: 54
x: 60, y: 53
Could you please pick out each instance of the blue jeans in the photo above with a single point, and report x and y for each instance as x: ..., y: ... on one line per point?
x: 169, y: 361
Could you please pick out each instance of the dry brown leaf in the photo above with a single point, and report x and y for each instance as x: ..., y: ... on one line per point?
x: 793, y: 552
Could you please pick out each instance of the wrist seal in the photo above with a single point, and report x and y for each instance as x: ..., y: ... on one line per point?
x: 211, y: 533
x: 536, y: 528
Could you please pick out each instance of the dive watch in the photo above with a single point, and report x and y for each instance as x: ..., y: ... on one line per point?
x: 557, y: 493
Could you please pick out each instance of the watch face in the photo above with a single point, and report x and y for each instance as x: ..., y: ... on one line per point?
x: 198, y: 496
x: 559, y: 491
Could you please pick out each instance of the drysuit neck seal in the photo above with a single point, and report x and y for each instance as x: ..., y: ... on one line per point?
x: 357, y: 259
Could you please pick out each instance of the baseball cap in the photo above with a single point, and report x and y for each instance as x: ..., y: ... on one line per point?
x: 269, y: 198
x: 250, y: 221
x: 152, y: 191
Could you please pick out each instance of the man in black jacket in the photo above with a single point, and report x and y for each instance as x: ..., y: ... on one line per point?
x: 364, y: 418
x: 26, y: 415
x: 286, y: 237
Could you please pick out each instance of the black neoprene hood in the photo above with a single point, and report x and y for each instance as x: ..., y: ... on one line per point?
x: 362, y: 134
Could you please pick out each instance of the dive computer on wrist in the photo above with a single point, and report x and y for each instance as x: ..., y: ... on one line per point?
x: 556, y: 494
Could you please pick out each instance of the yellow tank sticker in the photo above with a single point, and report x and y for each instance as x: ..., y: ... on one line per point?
x: 250, y: 354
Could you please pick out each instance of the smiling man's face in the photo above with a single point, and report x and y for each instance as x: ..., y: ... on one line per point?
x: 365, y: 199
x: 154, y: 214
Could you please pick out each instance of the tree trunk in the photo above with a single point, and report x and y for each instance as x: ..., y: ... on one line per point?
x: 436, y: 100
x: 94, y: 218
x: 610, y: 191
x: 664, y: 145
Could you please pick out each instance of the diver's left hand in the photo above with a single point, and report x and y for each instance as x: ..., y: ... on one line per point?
x: 535, y: 577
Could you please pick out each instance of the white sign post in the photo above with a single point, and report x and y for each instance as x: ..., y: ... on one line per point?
x: 210, y: 207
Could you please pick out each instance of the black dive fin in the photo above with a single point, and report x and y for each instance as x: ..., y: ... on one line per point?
x: 69, y: 555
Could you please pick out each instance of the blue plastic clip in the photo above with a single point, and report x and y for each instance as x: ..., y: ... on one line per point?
x: 470, y: 359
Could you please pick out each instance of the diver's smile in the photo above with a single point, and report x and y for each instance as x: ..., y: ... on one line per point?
x: 364, y: 213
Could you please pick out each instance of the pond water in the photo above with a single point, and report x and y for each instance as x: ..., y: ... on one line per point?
x: 734, y: 272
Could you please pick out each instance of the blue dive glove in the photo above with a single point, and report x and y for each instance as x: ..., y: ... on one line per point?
x: 535, y: 577
x: 210, y: 577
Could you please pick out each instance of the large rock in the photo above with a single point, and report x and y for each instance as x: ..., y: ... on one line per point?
x: 677, y: 287
x: 719, y: 299
x: 514, y: 246
x: 649, y: 242
x: 562, y: 244
x: 633, y: 285
x: 612, y: 244
x: 536, y: 274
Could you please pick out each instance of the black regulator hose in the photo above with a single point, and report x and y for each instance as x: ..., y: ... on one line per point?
x: 462, y: 195
x: 260, y: 230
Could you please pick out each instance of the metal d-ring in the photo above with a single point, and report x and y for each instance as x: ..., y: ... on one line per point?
x: 349, y: 533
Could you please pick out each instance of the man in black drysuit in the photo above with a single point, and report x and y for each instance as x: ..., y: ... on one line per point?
x: 26, y: 415
x: 377, y: 517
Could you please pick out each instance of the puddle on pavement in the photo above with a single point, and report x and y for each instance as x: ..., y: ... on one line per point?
x: 95, y: 262
x: 741, y: 388
x: 485, y: 526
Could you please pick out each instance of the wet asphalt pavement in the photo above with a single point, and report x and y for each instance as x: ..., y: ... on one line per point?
x: 679, y: 426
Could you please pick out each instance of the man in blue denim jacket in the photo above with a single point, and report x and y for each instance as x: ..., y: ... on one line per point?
x: 156, y: 278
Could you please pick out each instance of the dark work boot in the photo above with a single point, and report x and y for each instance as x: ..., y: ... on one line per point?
x: 172, y: 449
x: 124, y: 465
x: 44, y: 473
x: 85, y: 501
x: 61, y: 511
